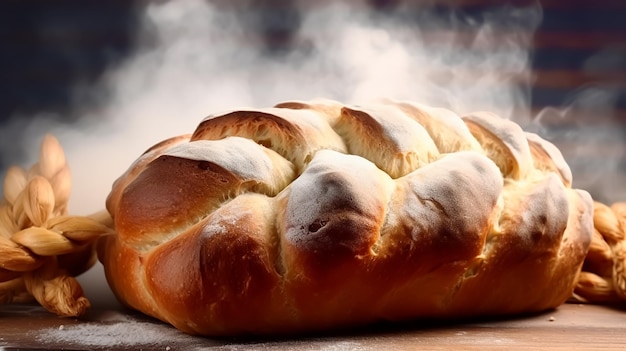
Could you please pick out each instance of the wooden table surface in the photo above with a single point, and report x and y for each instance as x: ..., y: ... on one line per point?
x: 572, y: 326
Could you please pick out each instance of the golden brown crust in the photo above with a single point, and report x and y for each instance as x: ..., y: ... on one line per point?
x: 386, y: 136
x: 547, y: 157
x: 137, y: 167
x: 445, y: 127
x: 503, y: 141
x: 294, y: 134
x: 313, y: 215
x: 230, y: 248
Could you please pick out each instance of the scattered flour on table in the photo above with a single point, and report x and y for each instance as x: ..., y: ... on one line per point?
x: 115, y: 329
x: 133, y: 333
x: 309, y: 345
x: 115, y: 332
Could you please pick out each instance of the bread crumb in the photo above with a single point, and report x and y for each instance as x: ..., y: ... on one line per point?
x: 551, y: 319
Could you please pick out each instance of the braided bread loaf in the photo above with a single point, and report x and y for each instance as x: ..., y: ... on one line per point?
x: 314, y: 215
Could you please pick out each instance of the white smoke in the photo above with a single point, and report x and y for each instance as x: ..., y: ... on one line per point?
x: 193, y: 58
x: 591, y: 139
x: 588, y: 129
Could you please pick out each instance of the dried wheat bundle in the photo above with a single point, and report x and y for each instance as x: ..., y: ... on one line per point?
x: 603, y: 279
x: 42, y: 247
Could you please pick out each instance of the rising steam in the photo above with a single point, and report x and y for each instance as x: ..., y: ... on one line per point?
x: 193, y: 58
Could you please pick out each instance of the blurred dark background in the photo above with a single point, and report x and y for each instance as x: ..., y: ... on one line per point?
x: 50, y: 50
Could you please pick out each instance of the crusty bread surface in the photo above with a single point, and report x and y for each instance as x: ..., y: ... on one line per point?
x: 313, y: 215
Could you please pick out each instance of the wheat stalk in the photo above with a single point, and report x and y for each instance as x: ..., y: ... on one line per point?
x: 35, y: 228
x: 603, y: 279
